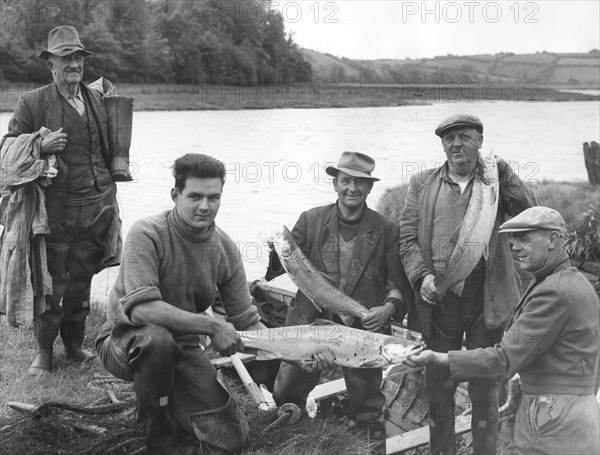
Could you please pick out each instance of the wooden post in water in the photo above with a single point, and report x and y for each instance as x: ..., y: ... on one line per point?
x: 591, y: 155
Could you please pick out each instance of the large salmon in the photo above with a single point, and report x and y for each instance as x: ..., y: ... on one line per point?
x: 312, y: 282
x: 472, y: 239
x: 348, y: 347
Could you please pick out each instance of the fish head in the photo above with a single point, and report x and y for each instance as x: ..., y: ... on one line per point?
x: 397, y: 352
x: 288, y: 243
x: 488, y: 168
x: 281, y: 243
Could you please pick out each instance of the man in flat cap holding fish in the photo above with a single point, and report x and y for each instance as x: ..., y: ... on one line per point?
x: 461, y: 268
x: 355, y: 247
x: 553, y: 343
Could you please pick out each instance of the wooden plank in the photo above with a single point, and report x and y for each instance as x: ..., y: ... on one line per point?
x: 219, y: 362
x: 328, y: 389
x: 420, y: 436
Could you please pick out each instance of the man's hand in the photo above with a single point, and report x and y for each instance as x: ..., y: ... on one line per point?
x: 226, y: 340
x: 429, y: 292
x: 378, y: 317
x: 513, y: 397
x: 321, y: 361
x: 54, y: 142
x: 427, y: 357
x: 502, y: 165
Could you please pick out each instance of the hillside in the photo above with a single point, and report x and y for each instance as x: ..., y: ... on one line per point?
x: 544, y: 68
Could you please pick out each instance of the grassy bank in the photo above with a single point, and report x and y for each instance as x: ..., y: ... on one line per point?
x: 169, y: 97
x: 71, y: 433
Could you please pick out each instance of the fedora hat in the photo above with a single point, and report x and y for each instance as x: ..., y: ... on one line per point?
x: 355, y: 164
x: 63, y: 40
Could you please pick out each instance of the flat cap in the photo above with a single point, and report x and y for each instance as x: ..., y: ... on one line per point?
x: 457, y: 121
x: 535, y: 218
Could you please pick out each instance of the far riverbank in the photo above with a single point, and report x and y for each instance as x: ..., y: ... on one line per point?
x: 171, y: 97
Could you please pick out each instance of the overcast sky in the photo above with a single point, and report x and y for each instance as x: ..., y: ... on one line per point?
x: 373, y: 29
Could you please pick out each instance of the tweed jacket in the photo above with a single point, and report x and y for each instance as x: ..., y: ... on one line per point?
x: 554, y: 341
x: 375, y: 271
x: 35, y: 110
x: 502, y: 286
x: 43, y: 107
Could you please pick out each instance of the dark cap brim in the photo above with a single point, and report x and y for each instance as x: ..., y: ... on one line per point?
x: 62, y: 52
x: 440, y: 132
x: 333, y: 171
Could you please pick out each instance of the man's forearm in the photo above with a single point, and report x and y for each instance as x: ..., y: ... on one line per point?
x: 440, y: 359
x: 173, y: 318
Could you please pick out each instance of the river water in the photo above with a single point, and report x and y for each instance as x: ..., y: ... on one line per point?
x: 275, y: 158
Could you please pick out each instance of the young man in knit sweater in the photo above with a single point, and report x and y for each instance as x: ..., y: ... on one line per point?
x: 173, y: 264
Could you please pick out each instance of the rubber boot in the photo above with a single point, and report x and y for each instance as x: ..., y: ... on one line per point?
x: 45, y: 329
x: 222, y: 430
x: 162, y: 433
x: 72, y: 334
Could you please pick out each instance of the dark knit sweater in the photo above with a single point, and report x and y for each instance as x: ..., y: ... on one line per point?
x: 163, y: 260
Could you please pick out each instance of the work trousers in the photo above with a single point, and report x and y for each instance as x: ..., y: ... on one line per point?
x: 76, y: 250
x: 162, y: 367
x: 367, y: 402
x: 443, y: 328
x: 557, y: 425
x: 293, y: 383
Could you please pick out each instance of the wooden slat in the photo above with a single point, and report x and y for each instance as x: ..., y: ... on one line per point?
x: 328, y: 389
x: 420, y: 436
x: 219, y: 362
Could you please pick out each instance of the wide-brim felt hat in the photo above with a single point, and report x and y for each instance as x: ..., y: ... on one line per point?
x: 535, y: 218
x: 459, y: 121
x: 355, y: 164
x: 63, y: 40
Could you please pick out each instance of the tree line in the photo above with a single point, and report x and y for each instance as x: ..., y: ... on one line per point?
x: 233, y: 42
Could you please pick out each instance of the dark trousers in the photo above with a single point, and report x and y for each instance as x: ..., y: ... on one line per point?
x: 293, y: 384
x: 443, y: 328
x: 367, y: 402
x: 76, y: 250
x: 161, y: 367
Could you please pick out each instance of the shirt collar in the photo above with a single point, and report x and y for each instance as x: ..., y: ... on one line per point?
x: 445, y: 175
x: 66, y: 96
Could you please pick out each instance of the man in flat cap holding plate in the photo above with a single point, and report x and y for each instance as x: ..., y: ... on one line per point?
x: 436, y: 204
x: 553, y: 343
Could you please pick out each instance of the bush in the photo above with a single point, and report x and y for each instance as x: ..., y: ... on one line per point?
x: 392, y: 202
x: 571, y: 199
x: 583, y: 242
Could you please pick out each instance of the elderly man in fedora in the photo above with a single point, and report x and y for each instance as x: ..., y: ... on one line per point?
x: 66, y: 120
x: 553, y: 342
x: 435, y: 206
x: 357, y: 249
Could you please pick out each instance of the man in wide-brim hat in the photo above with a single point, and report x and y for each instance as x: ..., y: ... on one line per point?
x: 65, y: 120
x: 357, y: 248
